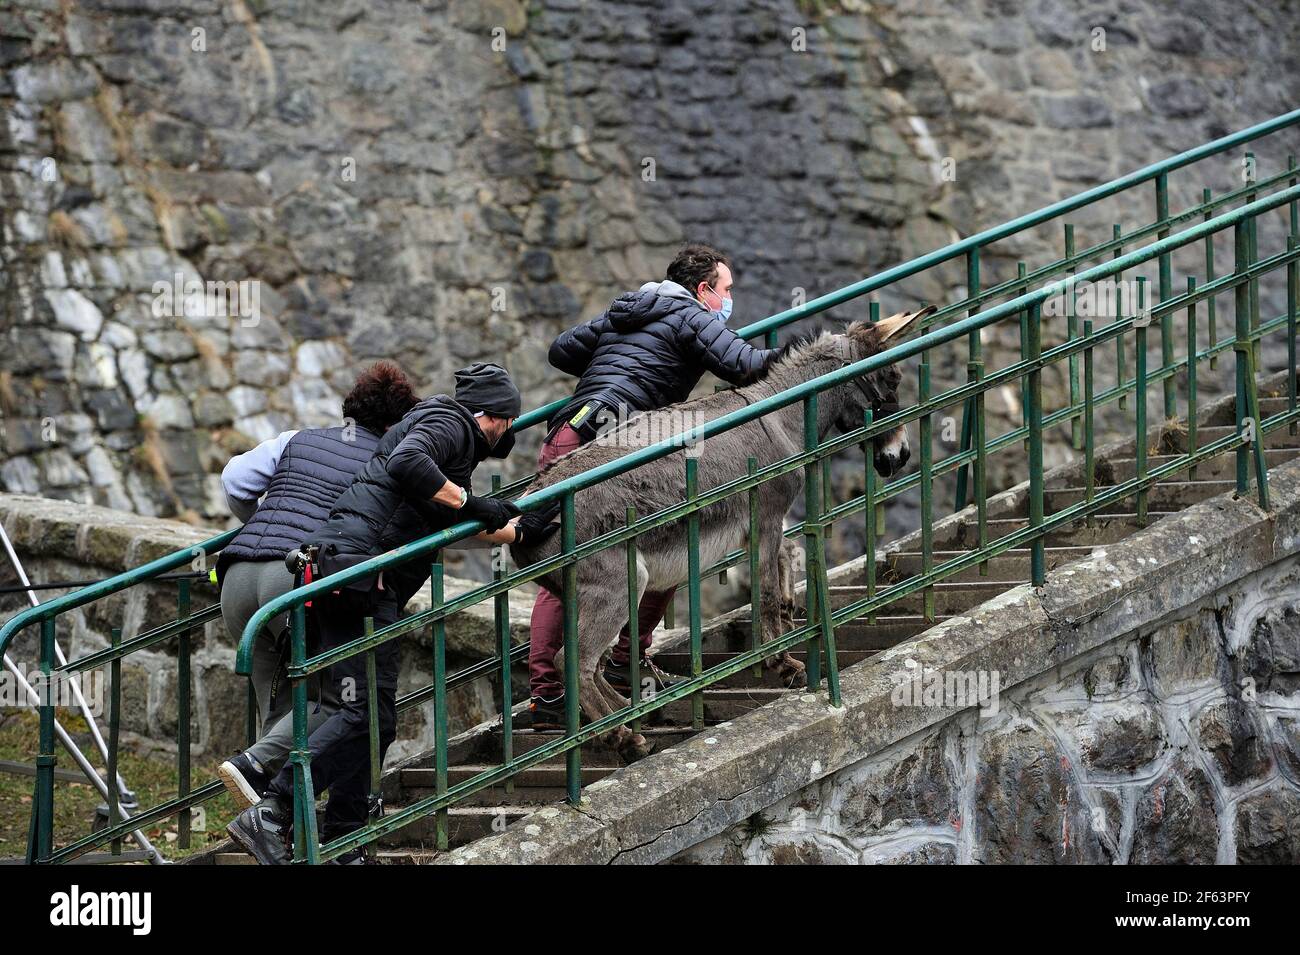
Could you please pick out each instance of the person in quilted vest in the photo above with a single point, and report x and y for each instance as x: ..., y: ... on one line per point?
x: 283, y: 490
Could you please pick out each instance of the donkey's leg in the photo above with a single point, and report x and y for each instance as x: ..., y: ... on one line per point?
x: 776, y: 608
x: 602, y: 609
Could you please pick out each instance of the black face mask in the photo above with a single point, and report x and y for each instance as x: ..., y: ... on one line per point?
x: 505, y: 444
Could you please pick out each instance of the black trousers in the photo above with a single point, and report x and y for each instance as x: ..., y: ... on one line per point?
x: 340, y: 747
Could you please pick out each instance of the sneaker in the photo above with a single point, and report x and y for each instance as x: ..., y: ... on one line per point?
x: 619, y: 676
x: 547, y: 714
x: 264, y: 831
x: 245, y: 779
x: 351, y: 857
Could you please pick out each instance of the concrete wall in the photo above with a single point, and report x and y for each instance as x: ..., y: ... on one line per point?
x: 57, y: 540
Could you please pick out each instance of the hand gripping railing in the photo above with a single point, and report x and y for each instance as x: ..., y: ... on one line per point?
x: 975, y: 447
x: 818, y: 633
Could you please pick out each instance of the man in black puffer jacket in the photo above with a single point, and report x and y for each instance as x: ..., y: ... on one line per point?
x: 648, y: 350
x: 297, y: 476
x: 417, y: 483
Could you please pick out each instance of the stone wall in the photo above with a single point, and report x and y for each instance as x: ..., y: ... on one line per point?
x: 445, y: 181
x: 1177, y: 744
x: 59, y: 541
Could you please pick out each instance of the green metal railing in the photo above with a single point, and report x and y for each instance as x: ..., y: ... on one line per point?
x: 1077, y: 352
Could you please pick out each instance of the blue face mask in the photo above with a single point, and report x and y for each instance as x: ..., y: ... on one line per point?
x: 725, y: 311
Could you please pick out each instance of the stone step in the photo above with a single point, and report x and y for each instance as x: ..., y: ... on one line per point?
x: 1221, y: 467
x: 464, y: 825
x: 1176, y: 442
x: 1009, y: 565
x: 1268, y: 406
x: 679, y: 662
x: 536, y: 784
x: 526, y: 740
x: 1165, y: 496
x: 949, y: 598
x: 888, y: 630
x: 1105, y: 529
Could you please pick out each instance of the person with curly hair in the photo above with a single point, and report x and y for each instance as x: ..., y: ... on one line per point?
x: 283, y: 490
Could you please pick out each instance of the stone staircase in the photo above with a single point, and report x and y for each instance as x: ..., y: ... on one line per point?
x: 492, y: 809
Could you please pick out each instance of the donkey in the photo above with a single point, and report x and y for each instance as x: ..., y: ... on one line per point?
x: 662, y: 552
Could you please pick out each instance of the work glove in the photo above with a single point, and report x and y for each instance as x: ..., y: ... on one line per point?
x: 536, y: 526
x: 492, y: 511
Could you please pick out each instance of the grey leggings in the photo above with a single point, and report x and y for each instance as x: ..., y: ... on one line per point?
x: 245, y: 587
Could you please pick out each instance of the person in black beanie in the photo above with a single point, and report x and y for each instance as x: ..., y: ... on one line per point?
x: 418, y: 482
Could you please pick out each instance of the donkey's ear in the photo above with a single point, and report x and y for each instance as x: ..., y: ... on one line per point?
x: 896, y: 325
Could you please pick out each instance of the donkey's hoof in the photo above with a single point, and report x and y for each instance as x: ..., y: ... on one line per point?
x: 634, y: 747
x: 792, y: 674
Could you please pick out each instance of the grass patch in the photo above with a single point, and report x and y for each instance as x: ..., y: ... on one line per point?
x: 153, y: 778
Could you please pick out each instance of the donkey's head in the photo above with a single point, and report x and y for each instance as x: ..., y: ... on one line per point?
x: 879, y: 389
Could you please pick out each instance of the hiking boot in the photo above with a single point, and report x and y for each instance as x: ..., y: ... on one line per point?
x: 547, y: 714
x: 619, y: 676
x: 245, y: 779
x: 264, y: 831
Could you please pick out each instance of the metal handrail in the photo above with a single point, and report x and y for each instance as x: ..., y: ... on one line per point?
x: 557, y: 492
x: 949, y: 252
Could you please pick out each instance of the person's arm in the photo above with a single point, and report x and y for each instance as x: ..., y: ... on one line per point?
x: 246, y: 476
x: 414, y: 464
x: 571, y: 352
x: 707, y: 339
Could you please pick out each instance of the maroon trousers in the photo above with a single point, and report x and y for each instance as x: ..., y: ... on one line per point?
x: 547, y: 631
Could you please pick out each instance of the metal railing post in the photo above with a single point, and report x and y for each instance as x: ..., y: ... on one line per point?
x: 695, y: 618
x: 926, y: 425
x: 812, y: 499
x: 755, y: 571
x: 373, y: 803
x: 1072, y: 332
x: 505, y: 643
x: 974, y: 363
x: 1165, y: 290
x: 869, y: 511
x: 1140, y: 323
x: 183, y: 684
x: 1089, y: 443
x: 1191, y: 374
x: 441, y: 729
x: 306, y: 845
x: 1035, y: 389
x: 573, y: 758
x: 633, y: 621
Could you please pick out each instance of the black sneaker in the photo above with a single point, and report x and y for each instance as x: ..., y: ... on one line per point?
x: 244, y: 779
x: 619, y: 676
x: 265, y: 832
x: 351, y: 857
x: 547, y: 714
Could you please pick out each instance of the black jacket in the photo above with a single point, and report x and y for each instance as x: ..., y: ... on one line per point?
x: 316, y: 467
x: 649, y: 350
x: 390, y: 502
